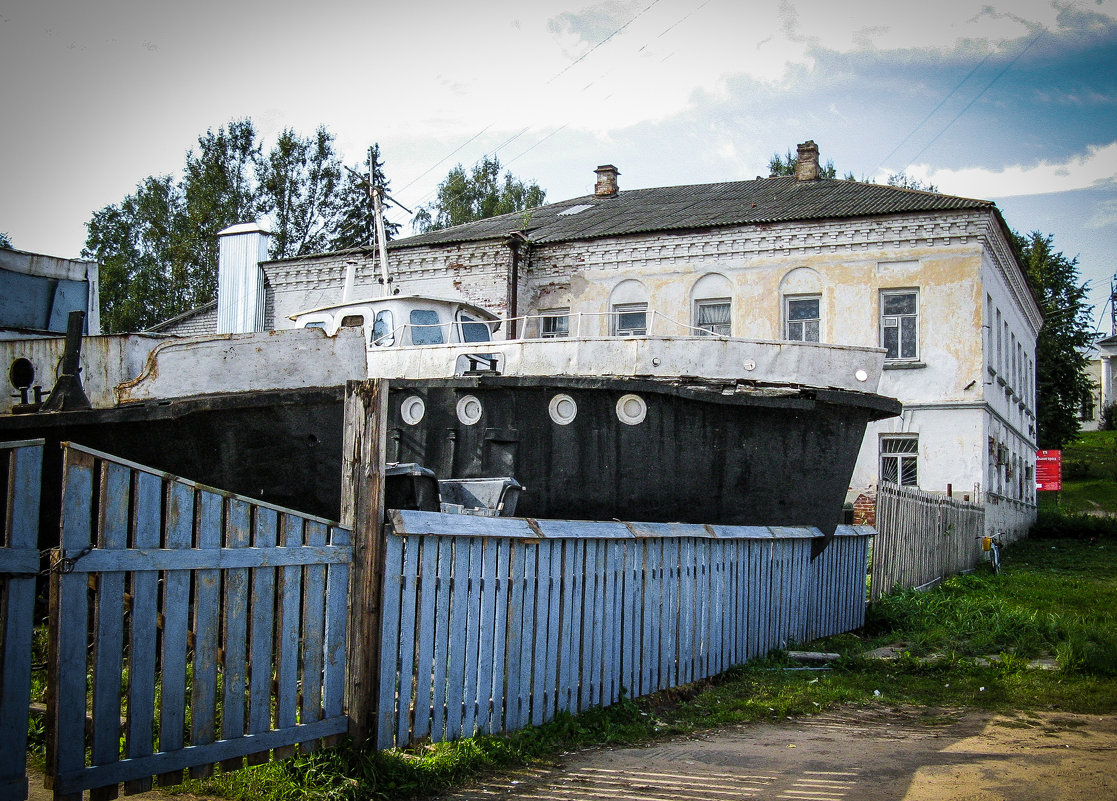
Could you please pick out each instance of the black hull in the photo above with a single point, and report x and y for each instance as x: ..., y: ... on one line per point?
x: 749, y: 456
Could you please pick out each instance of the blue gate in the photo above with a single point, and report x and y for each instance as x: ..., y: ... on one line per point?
x: 211, y: 628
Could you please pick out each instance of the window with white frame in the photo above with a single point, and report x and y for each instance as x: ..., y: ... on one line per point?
x: 899, y: 457
x: 630, y: 320
x: 712, y: 316
x: 554, y: 323
x: 802, y: 317
x: 899, y: 324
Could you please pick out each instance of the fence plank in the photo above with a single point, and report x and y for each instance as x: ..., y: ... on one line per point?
x: 19, y: 529
x: 333, y: 669
x: 441, y: 645
x: 474, y: 581
x: 288, y: 624
x: 539, y: 653
x: 313, y: 632
x: 262, y: 632
x: 108, y: 644
x: 390, y: 642
x: 207, y: 606
x: 459, y: 595
x: 428, y: 579
x: 238, y: 534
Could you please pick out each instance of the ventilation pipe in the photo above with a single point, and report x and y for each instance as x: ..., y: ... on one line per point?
x: 240, y: 279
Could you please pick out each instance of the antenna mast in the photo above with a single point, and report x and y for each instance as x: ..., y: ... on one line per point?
x: 378, y: 210
x: 1112, y: 307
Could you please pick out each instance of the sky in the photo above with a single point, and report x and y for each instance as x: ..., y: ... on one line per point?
x: 1008, y: 100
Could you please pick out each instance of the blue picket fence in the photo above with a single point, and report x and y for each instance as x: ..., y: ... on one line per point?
x: 211, y: 627
x: 493, y: 624
x: 21, y: 465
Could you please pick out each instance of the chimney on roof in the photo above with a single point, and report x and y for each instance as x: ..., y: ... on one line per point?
x: 606, y: 185
x: 806, y: 166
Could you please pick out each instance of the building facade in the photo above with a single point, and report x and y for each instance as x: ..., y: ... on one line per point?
x: 929, y: 278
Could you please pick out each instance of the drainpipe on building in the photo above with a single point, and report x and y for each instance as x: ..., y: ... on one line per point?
x: 516, y: 239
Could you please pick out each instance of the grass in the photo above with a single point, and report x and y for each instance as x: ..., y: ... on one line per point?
x: 1089, y: 475
x: 1054, y: 598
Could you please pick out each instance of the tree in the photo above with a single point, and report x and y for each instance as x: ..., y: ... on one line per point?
x: 901, y: 180
x: 5, y: 241
x: 356, y: 223
x: 299, y: 183
x: 1061, y: 377
x: 481, y: 194
x: 158, y: 246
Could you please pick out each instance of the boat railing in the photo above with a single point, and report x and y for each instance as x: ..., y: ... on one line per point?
x: 545, y: 326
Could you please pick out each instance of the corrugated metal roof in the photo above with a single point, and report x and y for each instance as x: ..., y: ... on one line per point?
x: 765, y: 200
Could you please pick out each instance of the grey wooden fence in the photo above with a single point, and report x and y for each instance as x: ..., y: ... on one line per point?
x: 21, y: 465
x: 218, y: 628
x: 494, y: 624
x: 922, y: 538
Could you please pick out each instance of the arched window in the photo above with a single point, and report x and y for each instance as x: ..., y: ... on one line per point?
x: 628, y: 309
x: 801, y: 302
x: 712, y: 305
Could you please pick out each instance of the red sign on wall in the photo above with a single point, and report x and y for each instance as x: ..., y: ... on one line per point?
x: 1049, y: 470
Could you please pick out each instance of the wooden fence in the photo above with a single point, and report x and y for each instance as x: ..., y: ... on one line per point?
x: 21, y: 465
x: 494, y: 624
x: 922, y: 539
x: 218, y: 628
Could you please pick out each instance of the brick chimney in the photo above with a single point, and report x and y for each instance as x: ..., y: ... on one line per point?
x: 606, y: 185
x: 806, y: 166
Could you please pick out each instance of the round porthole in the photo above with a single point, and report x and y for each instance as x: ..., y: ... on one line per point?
x: 563, y: 409
x: 631, y: 409
x: 469, y: 410
x: 412, y: 410
x: 861, y: 375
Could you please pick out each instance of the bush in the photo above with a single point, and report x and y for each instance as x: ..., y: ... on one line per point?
x: 1056, y: 524
x: 1107, y: 420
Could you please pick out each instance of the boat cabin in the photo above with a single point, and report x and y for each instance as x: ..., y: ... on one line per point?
x: 404, y: 320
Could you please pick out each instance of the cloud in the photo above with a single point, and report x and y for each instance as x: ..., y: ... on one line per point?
x: 1096, y: 167
x: 1104, y: 216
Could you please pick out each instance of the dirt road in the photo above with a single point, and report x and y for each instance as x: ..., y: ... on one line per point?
x: 877, y: 754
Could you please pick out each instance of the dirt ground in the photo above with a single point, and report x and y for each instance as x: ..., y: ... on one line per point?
x: 877, y: 754
x: 864, y: 755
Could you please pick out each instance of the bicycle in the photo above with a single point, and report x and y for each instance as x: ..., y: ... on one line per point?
x: 992, y: 546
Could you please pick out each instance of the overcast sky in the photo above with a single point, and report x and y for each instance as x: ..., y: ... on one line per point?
x: 1009, y: 100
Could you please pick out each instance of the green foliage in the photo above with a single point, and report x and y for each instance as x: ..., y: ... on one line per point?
x: 1107, y: 420
x: 1061, y: 377
x: 356, y: 226
x: 158, y: 246
x: 5, y: 241
x: 478, y: 195
x: 903, y: 181
x: 1058, y: 524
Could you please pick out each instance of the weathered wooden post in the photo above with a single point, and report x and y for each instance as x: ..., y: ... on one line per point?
x: 362, y: 511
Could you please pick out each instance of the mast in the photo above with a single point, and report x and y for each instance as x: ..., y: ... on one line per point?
x: 378, y: 210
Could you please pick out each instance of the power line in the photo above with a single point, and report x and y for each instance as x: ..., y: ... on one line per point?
x: 976, y: 97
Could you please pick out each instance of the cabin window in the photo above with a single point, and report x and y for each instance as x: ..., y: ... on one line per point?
x: 899, y: 324
x: 555, y: 323
x: 425, y: 328
x: 630, y: 320
x: 899, y: 460
x: 473, y: 328
x: 713, y: 317
x: 352, y: 321
x: 316, y: 324
x: 383, y: 335
x: 803, y: 318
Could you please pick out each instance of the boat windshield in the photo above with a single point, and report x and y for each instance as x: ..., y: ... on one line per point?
x: 382, y: 334
x: 473, y: 329
x: 425, y: 328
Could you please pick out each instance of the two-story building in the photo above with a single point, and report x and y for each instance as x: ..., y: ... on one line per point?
x: 930, y: 278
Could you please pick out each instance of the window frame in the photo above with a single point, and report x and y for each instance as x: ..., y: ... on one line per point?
x: 628, y: 308
x: 900, y: 457
x: 708, y: 329
x: 788, y: 322
x: 554, y: 323
x: 898, y: 318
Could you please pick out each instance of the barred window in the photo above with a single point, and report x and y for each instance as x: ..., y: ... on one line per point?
x: 899, y: 460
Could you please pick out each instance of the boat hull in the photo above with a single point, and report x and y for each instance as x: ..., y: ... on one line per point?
x: 700, y: 452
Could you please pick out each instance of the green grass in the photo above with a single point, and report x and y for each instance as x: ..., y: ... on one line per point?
x: 1089, y: 475
x: 1055, y: 598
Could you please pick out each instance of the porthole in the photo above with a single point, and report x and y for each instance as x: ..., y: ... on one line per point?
x: 412, y: 410
x: 631, y: 409
x: 861, y: 375
x: 469, y: 410
x: 563, y: 409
